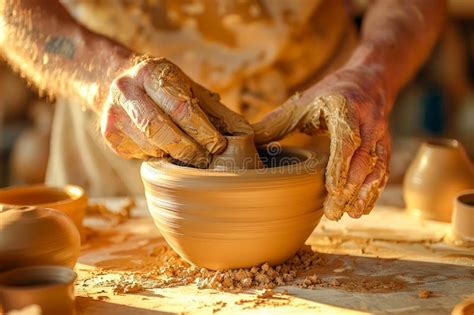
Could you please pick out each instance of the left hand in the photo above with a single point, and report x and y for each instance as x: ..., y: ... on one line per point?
x: 350, y: 104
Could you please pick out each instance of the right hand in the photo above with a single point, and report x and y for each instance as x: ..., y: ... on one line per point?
x: 154, y: 110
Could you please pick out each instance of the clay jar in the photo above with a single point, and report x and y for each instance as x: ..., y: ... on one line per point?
x: 235, y: 218
x: 47, y: 288
x: 440, y: 170
x: 37, y: 236
x: 69, y: 199
x: 463, y: 216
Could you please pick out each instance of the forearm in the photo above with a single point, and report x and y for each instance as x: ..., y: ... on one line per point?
x: 397, y: 36
x: 57, y: 55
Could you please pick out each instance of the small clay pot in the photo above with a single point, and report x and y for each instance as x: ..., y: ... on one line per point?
x: 240, y: 153
x: 463, y: 216
x: 37, y: 236
x: 220, y: 219
x: 70, y: 199
x: 440, y: 170
x: 51, y: 288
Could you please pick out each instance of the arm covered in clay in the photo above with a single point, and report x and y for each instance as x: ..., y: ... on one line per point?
x: 352, y: 104
x: 148, y: 108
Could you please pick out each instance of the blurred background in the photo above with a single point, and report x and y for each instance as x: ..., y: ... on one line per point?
x: 439, y: 102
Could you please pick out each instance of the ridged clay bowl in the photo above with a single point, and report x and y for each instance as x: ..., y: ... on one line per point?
x: 225, y: 218
x: 69, y: 199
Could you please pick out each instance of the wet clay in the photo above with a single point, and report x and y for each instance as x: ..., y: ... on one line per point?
x: 240, y: 153
x: 221, y: 219
x: 37, y: 236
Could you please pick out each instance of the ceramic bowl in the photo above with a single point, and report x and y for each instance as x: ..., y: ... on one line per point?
x: 71, y: 200
x: 220, y: 219
x: 51, y: 288
x: 463, y: 216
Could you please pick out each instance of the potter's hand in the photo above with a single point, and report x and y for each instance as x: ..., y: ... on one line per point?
x: 154, y: 109
x: 348, y: 104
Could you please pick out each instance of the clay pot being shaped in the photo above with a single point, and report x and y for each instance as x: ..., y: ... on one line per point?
x: 440, y: 170
x: 240, y: 153
x: 463, y: 216
x: 70, y: 199
x: 37, y: 236
x: 48, y: 289
x: 221, y: 219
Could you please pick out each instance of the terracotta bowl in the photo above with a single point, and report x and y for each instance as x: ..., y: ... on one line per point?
x: 71, y: 200
x: 220, y: 219
x: 50, y: 288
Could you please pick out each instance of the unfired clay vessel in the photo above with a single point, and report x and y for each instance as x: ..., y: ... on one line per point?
x: 51, y: 288
x: 70, y: 199
x: 37, y: 236
x: 220, y: 219
x: 240, y: 153
x: 440, y: 171
x: 463, y: 216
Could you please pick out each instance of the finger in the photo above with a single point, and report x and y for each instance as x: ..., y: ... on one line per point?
x: 157, y: 126
x: 345, y: 140
x: 116, y: 140
x: 225, y: 120
x: 373, y: 184
x: 123, y: 124
x: 170, y: 89
x: 279, y: 122
x: 362, y: 164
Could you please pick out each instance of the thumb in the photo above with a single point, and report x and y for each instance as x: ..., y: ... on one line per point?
x: 224, y: 119
x: 279, y: 122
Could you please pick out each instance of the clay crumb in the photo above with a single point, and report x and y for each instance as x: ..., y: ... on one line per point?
x: 128, y: 288
x: 266, y: 294
x: 424, y: 294
x: 102, y: 298
x: 114, y: 217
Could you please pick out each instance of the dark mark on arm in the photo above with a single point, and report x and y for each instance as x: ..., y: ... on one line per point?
x: 61, y: 46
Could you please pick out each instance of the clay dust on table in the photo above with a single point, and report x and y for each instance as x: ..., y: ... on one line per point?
x: 163, y: 268
x: 174, y: 271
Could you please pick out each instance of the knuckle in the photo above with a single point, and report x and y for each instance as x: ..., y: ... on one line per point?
x: 121, y: 83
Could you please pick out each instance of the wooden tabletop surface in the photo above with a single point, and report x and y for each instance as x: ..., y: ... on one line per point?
x: 388, y: 246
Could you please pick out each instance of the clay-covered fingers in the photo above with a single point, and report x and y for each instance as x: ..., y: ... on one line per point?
x: 123, y: 137
x: 156, y: 126
x: 345, y: 140
x: 375, y: 181
x: 170, y: 89
x: 279, y: 122
x: 224, y: 119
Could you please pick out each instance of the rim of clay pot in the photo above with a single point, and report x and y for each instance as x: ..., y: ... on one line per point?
x: 73, y: 193
x: 443, y: 143
x: 166, y: 170
x: 466, y: 198
x: 37, y: 277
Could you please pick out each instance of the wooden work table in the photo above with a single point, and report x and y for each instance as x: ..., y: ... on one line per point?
x: 386, y: 244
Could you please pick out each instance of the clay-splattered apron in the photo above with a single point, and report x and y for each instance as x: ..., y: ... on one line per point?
x: 254, y: 53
